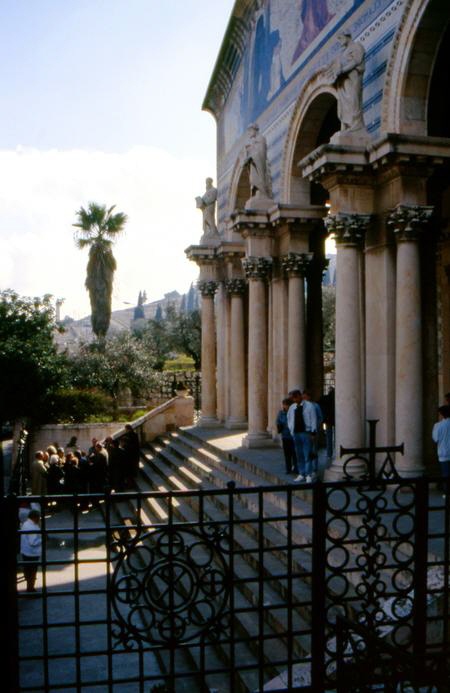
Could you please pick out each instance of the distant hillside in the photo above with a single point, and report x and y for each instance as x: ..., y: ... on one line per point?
x: 81, y: 330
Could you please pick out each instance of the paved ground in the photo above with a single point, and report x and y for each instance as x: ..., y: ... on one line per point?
x: 48, y: 636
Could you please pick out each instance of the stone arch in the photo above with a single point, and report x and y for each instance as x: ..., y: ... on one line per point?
x: 410, y: 69
x: 239, y: 187
x: 316, y: 103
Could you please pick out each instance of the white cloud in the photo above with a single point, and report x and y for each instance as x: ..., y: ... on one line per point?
x: 40, y: 192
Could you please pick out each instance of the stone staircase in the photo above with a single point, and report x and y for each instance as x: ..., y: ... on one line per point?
x: 184, y: 461
x: 267, y: 576
x: 181, y: 461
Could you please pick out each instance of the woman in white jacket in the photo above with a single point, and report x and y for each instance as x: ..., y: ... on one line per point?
x: 31, y: 547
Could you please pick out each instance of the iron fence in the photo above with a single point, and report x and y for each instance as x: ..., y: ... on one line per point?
x: 235, y: 589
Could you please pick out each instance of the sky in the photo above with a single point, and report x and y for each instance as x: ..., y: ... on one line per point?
x: 101, y: 101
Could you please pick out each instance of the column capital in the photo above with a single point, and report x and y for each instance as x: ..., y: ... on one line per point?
x: 207, y: 288
x: 257, y: 267
x: 296, y: 264
x: 348, y: 229
x: 409, y: 221
x: 235, y: 287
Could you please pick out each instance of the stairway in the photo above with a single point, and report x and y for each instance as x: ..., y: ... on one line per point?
x: 272, y: 557
x: 181, y: 461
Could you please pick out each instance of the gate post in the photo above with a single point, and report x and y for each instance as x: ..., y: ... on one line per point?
x: 421, y: 488
x: 319, y: 559
x: 9, y: 637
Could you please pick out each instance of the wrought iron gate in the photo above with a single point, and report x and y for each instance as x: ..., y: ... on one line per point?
x: 297, y: 588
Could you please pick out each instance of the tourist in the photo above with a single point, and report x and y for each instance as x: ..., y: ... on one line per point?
x: 302, y: 422
x: 39, y: 475
x: 117, y: 465
x: 83, y: 469
x: 307, y: 397
x: 52, y: 456
x: 98, y: 469
x: 286, y: 437
x: 130, y: 441
x: 30, y: 548
x: 55, y: 476
x: 71, y: 474
x: 441, y: 436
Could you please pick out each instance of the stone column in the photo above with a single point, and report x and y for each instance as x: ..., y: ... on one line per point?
x: 221, y: 309
x: 349, y: 231
x: 208, y: 417
x: 237, y: 419
x: 257, y: 270
x: 408, y: 222
x: 296, y: 265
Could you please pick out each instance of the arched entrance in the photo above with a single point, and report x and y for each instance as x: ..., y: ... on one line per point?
x: 316, y: 127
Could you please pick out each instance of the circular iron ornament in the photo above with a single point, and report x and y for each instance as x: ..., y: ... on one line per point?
x: 404, y: 496
x: 338, y: 529
x: 338, y: 500
x: 170, y: 585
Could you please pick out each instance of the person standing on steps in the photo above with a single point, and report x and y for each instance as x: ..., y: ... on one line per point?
x: 302, y: 422
x: 286, y: 437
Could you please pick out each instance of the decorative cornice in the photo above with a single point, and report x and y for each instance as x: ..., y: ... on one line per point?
x: 235, y: 286
x: 296, y: 264
x: 207, y: 288
x: 257, y: 267
x: 409, y: 221
x: 348, y: 229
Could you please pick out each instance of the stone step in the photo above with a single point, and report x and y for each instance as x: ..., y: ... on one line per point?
x: 246, y: 653
x: 166, y: 465
x: 247, y: 567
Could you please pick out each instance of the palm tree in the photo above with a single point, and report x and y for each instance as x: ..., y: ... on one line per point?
x: 97, y: 228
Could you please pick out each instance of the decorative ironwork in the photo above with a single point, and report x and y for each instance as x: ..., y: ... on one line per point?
x: 170, y: 585
x: 368, y: 456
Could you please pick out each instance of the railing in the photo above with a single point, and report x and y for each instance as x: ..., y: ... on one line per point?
x: 232, y: 589
x: 176, y: 412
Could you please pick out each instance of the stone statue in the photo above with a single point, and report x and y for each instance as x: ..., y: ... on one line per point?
x: 207, y: 203
x: 346, y: 74
x: 255, y: 158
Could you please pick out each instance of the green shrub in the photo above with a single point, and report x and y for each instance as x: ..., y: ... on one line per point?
x: 181, y: 363
x: 79, y: 406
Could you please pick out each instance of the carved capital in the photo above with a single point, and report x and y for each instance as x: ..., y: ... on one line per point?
x: 257, y: 267
x: 348, y: 229
x: 207, y: 288
x: 409, y: 221
x: 296, y: 264
x: 235, y: 287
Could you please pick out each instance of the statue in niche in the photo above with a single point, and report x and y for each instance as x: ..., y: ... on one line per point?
x: 255, y: 159
x: 345, y: 73
x: 207, y: 203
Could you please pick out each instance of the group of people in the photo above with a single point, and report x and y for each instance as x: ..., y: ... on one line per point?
x: 113, y: 463
x: 299, y: 423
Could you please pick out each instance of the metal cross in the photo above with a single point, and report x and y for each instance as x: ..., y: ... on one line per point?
x: 372, y: 451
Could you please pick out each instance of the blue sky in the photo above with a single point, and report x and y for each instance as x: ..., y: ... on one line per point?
x: 101, y: 99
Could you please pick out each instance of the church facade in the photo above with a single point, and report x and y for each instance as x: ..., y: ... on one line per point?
x: 331, y: 121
